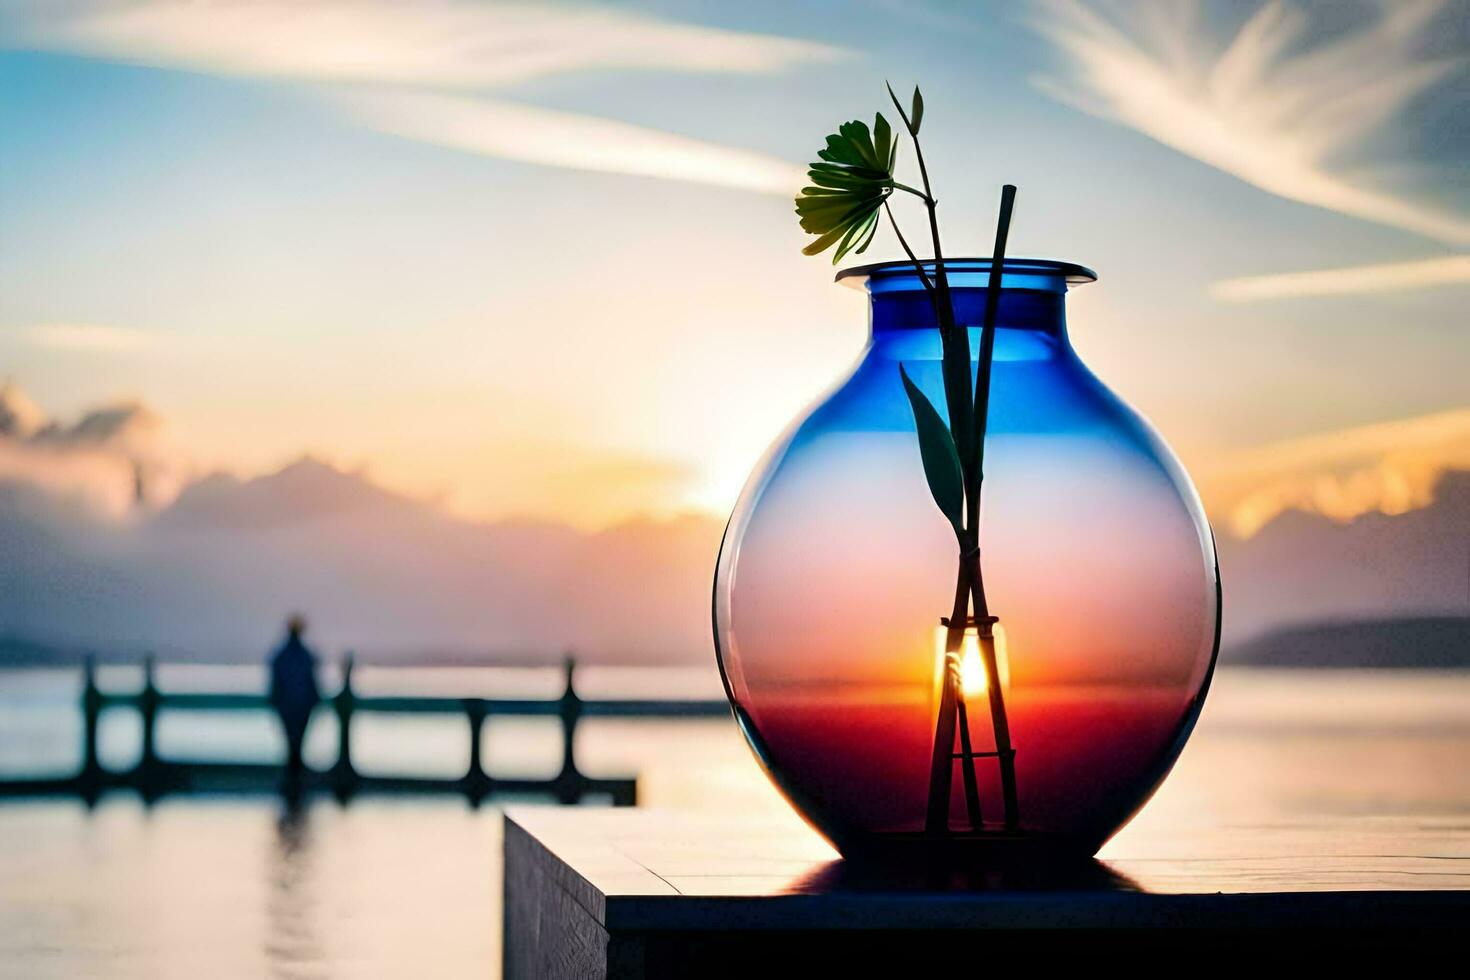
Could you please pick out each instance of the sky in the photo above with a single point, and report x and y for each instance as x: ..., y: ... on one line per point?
x: 539, y: 261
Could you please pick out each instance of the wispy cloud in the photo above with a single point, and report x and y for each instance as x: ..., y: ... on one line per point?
x: 562, y: 139
x: 388, y: 48
x: 451, y: 43
x: 1269, y: 105
x: 1381, y: 278
x: 1387, y: 467
x: 90, y: 338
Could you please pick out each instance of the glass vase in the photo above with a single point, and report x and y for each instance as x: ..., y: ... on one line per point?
x: 837, y: 573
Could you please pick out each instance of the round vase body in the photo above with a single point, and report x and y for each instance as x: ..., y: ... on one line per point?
x: 837, y: 567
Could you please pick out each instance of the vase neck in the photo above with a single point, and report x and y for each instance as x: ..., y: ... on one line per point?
x: 1018, y: 309
x: 1032, y: 294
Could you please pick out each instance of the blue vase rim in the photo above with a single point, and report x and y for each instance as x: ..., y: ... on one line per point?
x: 969, y: 273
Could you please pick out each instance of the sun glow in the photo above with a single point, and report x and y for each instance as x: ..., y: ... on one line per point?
x: 973, y: 679
x: 972, y: 671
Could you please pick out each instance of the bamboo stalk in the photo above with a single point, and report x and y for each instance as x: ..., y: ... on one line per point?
x: 998, y: 718
x: 967, y: 756
x: 987, y: 347
x: 941, y: 762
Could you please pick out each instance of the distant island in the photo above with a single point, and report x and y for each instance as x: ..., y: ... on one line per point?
x: 1421, y: 642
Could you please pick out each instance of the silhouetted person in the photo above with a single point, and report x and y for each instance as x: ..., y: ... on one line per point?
x: 294, y: 694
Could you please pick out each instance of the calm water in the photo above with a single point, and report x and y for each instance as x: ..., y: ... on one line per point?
x: 226, y: 887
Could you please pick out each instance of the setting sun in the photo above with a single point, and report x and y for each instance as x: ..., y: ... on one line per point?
x: 973, y: 682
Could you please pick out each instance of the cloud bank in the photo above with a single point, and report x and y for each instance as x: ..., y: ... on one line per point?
x: 109, y: 543
x: 211, y: 575
x: 110, y: 463
x: 1388, y: 468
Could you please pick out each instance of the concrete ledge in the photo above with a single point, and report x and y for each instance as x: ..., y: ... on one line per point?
x: 639, y: 893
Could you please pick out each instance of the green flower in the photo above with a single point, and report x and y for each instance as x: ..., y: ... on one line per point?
x: 850, y: 183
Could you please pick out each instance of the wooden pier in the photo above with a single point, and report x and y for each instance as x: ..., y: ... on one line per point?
x: 153, y: 777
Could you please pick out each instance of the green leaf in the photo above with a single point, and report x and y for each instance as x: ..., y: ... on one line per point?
x: 843, y: 198
x: 941, y: 460
x: 912, y: 118
x: 859, y: 235
x: 856, y: 133
x: 820, y: 215
x: 893, y: 97
x: 849, y: 178
x: 850, y: 182
x: 832, y: 205
x: 823, y: 243
x: 839, y: 150
x: 867, y: 236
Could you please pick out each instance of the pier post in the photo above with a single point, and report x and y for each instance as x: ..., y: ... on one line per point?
x: 476, y: 781
x: 147, y: 774
x: 570, y: 783
x: 89, y: 779
x: 344, y: 774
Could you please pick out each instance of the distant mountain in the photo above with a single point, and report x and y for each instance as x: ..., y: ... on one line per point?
x: 1428, y: 642
x: 1306, y: 569
x: 305, y: 491
x: 20, y: 650
x: 213, y: 574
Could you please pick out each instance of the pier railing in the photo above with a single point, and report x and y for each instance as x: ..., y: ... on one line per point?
x: 153, y: 776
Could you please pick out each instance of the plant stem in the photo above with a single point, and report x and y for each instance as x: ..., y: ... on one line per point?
x: 912, y: 190
x: 918, y: 266
x: 956, y: 340
x: 987, y: 345
x: 941, y: 761
x: 1004, y: 751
